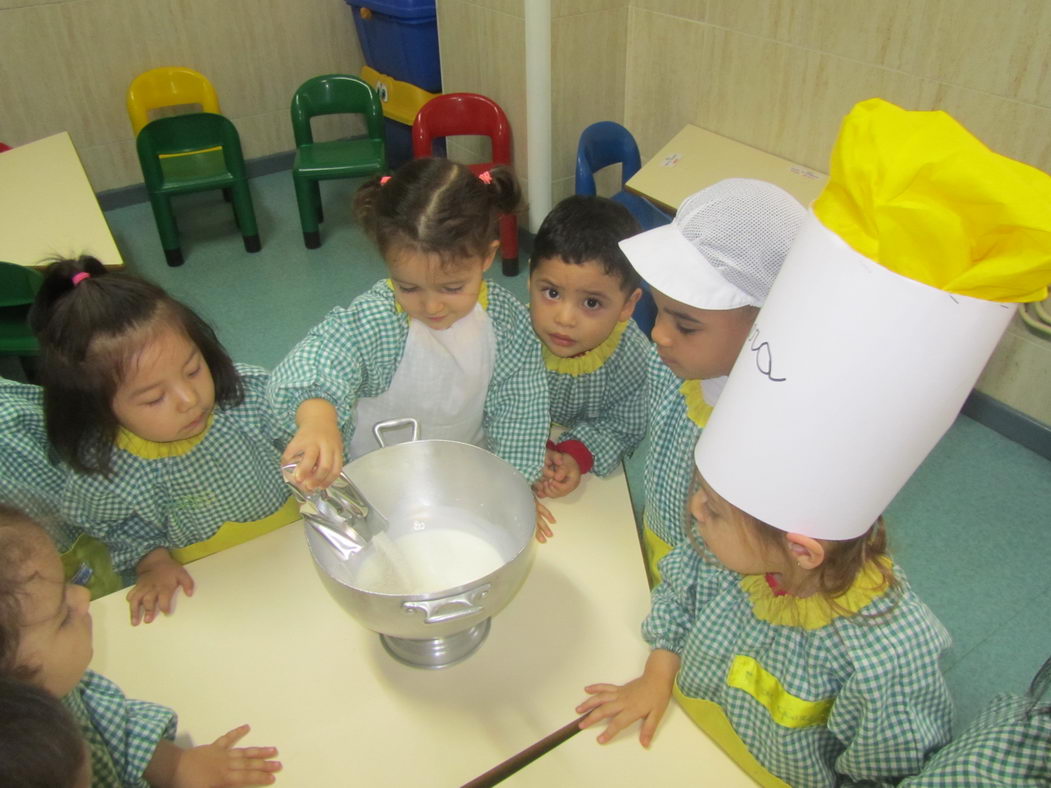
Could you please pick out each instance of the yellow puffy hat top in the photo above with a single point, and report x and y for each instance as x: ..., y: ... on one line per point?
x: 917, y: 193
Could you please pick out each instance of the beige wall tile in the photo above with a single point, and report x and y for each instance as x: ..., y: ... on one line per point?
x: 560, y: 8
x: 1019, y: 373
x: 587, y: 80
x: 512, y: 7
x: 687, y: 9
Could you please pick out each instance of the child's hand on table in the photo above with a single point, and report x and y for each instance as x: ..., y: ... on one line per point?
x: 159, y: 577
x: 561, y: 475
x: 543, y: 518
x: 644, y: 698
x: 317, y: 446
x: 214, y: 765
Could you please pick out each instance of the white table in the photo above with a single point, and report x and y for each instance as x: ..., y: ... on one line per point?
x: 48, y: 208
x: 262, y: 642
x: 695, y: 158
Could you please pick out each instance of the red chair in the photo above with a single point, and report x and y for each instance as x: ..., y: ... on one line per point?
x: 453, y: 114
x: 4, y: 146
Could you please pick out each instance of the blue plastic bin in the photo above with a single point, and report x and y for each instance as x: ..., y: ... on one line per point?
x: 400, y: 38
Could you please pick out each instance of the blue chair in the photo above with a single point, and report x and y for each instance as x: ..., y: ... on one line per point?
x: 602, y: 145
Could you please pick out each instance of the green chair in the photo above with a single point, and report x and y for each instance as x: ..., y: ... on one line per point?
x: 18, y: 287
x: 185, y: 174
x: 332, y: 94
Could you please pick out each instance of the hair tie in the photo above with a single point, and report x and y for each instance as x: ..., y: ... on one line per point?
x: 486, y: 177
x: 384, y: 180
x: 78, y: 278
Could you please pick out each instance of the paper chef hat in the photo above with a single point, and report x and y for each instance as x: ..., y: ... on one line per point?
x: 853, y: 371
x: 724, y: 247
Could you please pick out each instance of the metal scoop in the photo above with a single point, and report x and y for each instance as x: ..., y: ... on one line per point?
x: 342, y: 514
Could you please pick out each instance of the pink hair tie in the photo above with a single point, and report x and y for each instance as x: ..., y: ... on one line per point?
x: 485, y: 177
x: 78, y: 278
x: 384, y: 180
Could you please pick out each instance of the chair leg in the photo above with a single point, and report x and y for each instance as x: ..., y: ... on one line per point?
x: 166, y: 228
x: 308, y: 211
x: 246, y: 216
x: 509, y: 243
x: 316, y: 191
x: 174, y: 257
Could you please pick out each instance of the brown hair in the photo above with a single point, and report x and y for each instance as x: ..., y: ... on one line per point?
x: 40, y: 743
x: 436, y: 206
x: 20, y: 538
x: 89, y: 332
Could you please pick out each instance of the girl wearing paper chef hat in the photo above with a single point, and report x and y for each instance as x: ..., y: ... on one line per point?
x: 782, y: 627
x: 710, y: 270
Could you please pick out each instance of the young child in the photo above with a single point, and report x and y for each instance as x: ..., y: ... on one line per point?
x: 807, y: 660
x: 40, y: 744
x: 45, y: 639
x: 582, y: 291
x: 435, y: 341
x: 168, y: 440
x: 709, y: 270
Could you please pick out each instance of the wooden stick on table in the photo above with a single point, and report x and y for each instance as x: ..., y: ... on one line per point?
x: 502, y: 771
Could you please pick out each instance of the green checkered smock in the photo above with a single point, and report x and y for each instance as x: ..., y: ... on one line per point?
x: 1007, y: 746
x: 669, y: 466
x: 122, y: 734
x: 232, y: 474
x: 356, y: 350
x: 29, y: 479
x: 604, y: 409
x: 849, y: 699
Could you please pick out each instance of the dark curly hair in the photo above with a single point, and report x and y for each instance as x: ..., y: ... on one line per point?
x: 40, y: 743
x: 89, y: 332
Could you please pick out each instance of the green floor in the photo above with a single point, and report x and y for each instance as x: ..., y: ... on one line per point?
x: 972, y: 529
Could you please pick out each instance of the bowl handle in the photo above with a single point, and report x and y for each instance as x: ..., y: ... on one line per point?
x: 391, y: 424
x: 465, y: 604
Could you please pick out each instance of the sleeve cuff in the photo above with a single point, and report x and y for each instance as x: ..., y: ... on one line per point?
x: 579, y: 452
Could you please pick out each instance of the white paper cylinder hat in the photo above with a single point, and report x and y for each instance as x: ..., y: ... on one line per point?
x: 724, y: 247
x: 849, y: 377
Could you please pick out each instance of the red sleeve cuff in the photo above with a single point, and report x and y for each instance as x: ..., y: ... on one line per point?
x: 579, y: 452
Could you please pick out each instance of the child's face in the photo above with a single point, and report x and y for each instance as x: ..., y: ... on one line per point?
x: 56, y: 626
x: 699, y: 344
x: 727, y: 534
x: 575, y: 307
x: 167, y: 392
x: 435, y: 294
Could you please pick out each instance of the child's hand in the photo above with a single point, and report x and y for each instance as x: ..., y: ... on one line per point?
x: 561, y: 475
x: 159, y: 577
x: 543, y: 518
x: 645, y: 698
x: 317, y: 446
x: 213, y: 765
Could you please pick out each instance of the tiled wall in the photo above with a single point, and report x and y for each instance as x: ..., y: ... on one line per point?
x: 780, y: 74
x: 66, y: 65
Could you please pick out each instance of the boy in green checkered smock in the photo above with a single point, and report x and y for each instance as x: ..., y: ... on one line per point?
x: 709, y: 271
x: 582, y: 292
x: 1007, y: 746
x: 33, y: 481
x: 435, y: 342
x: 45, y: 640
x: 168, y: 442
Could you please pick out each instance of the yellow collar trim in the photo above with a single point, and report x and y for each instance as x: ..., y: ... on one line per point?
x: 587, y: 362
x: 696, y: 408
x: 483, y: 296
x: 814, y: 612
x: 154, y: 450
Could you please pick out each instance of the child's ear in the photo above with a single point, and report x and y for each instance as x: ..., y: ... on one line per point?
x: 629, y: 305
x: 807, y: 552
x: 491, y: 256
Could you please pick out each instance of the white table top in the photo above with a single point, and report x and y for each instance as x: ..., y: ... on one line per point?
x: 262, y: 642
x: 695, y: 158
x: 48, y: 208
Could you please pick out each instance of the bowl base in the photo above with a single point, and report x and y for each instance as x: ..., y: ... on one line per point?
x: 437, y: 653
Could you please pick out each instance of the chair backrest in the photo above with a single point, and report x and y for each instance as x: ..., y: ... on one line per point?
x: 183, y: 133
x: 168, y: 86
x: 18, y: 284
x: 4, y: 146
x: 334, y: 94
x: 453, y: 114
x: 602, y: 144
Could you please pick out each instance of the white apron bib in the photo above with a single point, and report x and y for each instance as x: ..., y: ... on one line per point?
x: 441, y: 382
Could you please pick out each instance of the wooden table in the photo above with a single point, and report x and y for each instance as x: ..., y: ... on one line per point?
x: 48, y: 208
x: 696, y: 158
x: 262, y: 642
